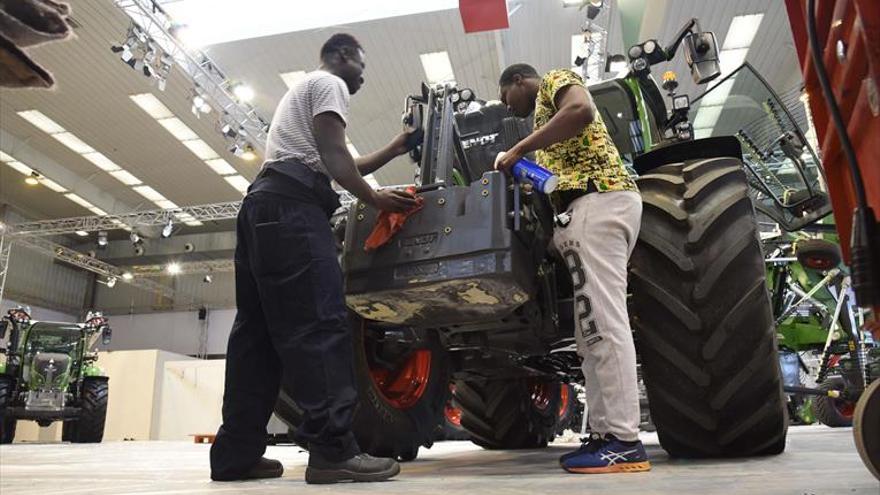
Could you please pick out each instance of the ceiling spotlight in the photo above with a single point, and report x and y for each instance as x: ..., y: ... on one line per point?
x: 247, y: 153
x: 228, y: 131
x: 165, y: 63
x: 82, y: 233
x: 200, y: 105
x: 135, y: 238
x: 243, y: 92
x: 111, y: 282
x: 208, y: 279
x: 127, y: 276
x: 102, y: 239
x: 244, y: 151
x: 124, y: 51
x: 173, y: 268
x: 167, y: 229
x: 33, y: 179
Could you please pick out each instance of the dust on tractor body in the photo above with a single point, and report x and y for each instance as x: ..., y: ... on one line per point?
x: 468, y: 293
x: 50, y: 375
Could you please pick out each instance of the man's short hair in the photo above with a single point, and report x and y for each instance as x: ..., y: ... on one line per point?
x: 524, y: 70
x: 340, y: 43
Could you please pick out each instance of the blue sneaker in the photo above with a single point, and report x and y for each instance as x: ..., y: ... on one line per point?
x: 590, y: 444
x: 613, y: 456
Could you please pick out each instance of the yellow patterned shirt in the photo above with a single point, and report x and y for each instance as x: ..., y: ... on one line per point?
x: 591, y: 155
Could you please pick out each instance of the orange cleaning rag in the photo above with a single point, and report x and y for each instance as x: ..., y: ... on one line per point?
x: 388, y: 224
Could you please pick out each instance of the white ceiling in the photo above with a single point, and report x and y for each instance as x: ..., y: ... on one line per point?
x: 92, y: 97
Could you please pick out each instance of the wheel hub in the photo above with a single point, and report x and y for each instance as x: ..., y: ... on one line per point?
x: 541, y: 394
x: 405, y: 383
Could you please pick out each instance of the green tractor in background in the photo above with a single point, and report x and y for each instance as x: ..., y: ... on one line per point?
x: 50, y: 374
x: 817, y: 326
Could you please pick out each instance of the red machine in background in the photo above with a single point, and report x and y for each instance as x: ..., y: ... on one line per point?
x: 838, y: 43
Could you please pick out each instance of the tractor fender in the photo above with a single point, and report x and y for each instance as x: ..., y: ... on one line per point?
x: 712, y: 147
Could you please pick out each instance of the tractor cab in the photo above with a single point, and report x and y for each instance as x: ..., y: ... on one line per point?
x: 783, y: 168
x: 739, y: 115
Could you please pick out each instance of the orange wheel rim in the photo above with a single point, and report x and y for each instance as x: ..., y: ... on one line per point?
x: 453, y: 415
x: 404, y: 385
x: 541, y: 393
x: 564, y: 392
x: 846, y: 408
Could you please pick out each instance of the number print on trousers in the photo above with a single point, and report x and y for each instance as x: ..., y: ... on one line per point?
x: 583, y: 307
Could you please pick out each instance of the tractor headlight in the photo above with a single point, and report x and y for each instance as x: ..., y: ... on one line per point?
x: 681, y: 102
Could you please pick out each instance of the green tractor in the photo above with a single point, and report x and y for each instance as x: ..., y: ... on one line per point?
x: 468, y: 290
x: 50, y: 375
x: 818, y: 326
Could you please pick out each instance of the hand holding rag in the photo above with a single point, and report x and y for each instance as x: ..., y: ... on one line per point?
x: 388, y: 224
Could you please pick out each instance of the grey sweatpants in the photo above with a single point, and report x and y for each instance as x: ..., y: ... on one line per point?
x: 596, y: 245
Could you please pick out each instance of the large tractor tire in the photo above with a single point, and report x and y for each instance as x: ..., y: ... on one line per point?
x: 509, y: 414
x: 835, y: 413
x: 402, y: 391
x: 7, y: 425
x: 89, y: 427
x: 702, y: 313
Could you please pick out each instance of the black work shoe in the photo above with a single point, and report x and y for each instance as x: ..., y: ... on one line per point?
x: 263, y: 469
x: 362, y: 467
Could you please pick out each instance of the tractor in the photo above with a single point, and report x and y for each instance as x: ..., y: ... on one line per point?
x: 50, y: 374
x: 469, y: 293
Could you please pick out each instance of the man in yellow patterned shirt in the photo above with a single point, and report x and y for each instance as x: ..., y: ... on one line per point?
x: 604, y: 210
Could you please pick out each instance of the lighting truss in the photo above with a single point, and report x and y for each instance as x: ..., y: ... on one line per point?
x: 33, y: 235
x: 134, y: 220
x: 186, y: 268
x: 88, y: 263
x: 205, y: 74
x: 595, y: 32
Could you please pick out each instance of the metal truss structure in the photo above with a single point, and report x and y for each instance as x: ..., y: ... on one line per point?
x: 184, y: 268
x: 146, y: 218
x: 595, y: 42
x: 88, y: 263
x: 205, y: 74
x: 34, y: 235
